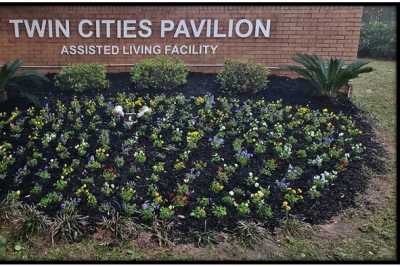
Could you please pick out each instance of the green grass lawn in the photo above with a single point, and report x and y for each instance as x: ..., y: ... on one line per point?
x: 367, y: 232
x: 376, y: 94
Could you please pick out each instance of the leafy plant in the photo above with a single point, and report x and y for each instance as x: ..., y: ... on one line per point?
x: 166, y: 213
x: 378, y: 40
x: 240, y: 78
x: 82, y: 77
x: 199, y: 213
x: 11, y: 78
x: 9, y: 206
x: 122, y: 228
x: 219, y: 211
x: 327, y: 76
x: 31, y: 221
x: 159, y: 73
x: 68, y: 224
x: 250, y: 233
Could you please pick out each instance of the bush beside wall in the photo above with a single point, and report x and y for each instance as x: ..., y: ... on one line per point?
x: 82, y: 77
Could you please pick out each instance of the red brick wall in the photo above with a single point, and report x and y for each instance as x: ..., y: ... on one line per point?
x: 323, y: 30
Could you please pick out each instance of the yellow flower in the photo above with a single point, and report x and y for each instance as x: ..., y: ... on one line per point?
x: 284, y: 203
x: 158, y: 199
x: 199, y: 100
x: 325, y: 110
x: 139, y: 102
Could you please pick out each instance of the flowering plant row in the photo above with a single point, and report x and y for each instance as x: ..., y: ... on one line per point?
x: 174, y: 158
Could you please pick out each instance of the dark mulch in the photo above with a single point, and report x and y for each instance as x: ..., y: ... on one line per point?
x: 339, y: 196
x: 290, y: 91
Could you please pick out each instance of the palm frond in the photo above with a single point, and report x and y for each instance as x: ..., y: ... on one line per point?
x: 11, y: 79
x: 328, y: 76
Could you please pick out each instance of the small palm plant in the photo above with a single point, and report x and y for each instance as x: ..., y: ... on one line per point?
x: 327, y: 76
x: 9, y: 78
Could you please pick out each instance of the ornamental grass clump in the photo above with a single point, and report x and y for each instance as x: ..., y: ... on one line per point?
x: 160, y: 74
x: 82, y: 77
x: 242, y: 78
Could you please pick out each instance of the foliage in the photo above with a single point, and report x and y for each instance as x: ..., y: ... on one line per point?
x: 378, y: 40
x: 11, y: 78
x: 82, y: 77
x: 240, y: 78
x: 327, y: 76
x: 250, y: 233
x: 31, y: 221
x: 10, y: 205
x: 187, y: 179
x: 159, y: 73
x: 385, y: 14
x: 68, y: 224
x: 121, y: 227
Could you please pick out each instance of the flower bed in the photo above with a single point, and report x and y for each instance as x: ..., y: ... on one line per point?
x: 185, y: 160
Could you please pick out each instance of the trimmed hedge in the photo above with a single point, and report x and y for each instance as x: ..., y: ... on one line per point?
x: 240, y: 78
x: 159, y: 73
x: 82, y: 77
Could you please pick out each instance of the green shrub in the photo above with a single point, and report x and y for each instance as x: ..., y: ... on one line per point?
x: 159, y: 73
x: 378, y: 40
x: 237, y: 78
x: 327, y: 76
x: 12, y: 78
x: 82, y: 77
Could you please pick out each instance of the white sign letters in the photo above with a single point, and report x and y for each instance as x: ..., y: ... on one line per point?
x: 141, y: 29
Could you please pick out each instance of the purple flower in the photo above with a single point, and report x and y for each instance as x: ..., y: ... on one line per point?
x: 282, y: 183
x: 245, y: 154
x: 328, y: 140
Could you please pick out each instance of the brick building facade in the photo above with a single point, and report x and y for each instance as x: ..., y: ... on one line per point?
x: 328, y: 31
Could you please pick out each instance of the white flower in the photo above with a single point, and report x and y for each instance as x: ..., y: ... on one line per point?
x: 129, y: 123
x: 143, y: 110
x: 118, y: 111
x: 250, y: 174
x: 256, y: 184
x: 231, y: 193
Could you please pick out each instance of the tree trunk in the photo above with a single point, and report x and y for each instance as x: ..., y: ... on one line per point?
x: 3, y: 95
